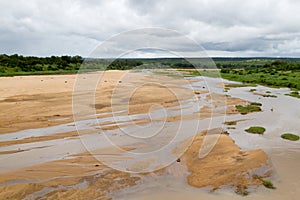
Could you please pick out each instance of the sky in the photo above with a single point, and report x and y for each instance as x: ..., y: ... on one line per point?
x: 226, y: 28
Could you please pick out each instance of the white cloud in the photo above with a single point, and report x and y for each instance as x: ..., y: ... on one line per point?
x: 225, y: 27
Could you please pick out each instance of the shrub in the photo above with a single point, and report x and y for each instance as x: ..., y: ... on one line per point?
x: 290, y: 136
x: 294, y: 94
x: 230, y: 123
x: 256, y: 130
x: 234, y: 85
x: 255, y: 104
x: 268, y: 184
x: 247, y: 109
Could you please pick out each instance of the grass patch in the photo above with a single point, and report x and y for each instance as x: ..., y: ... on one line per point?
x: 268, y: 184
x: 226, y: 89
x: 252, y: 90
x: 294, y: 94
x: 230, y: 123
x: 247, y: 109
x: 290, y: 136
x: 265, y: 95
x: 234, y: 85
x: 269, y: 95
x: 231, y: 128
x: 201, y: 72
x: 256, y: 130
x: 283, y: 78
x: 255, y: 104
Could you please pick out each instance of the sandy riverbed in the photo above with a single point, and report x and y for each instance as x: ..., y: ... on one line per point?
x: 51, y: 161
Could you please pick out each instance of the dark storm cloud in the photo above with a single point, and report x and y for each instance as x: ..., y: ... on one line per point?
x: 223, y: 27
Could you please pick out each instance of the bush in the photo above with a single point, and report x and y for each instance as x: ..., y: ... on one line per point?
x: 268, y: 184
x: 255, y: 104
x: 256, y: 130
x: 294, y: 94
x: 290, y: 136
x: 230, y: 123
x: 247, y: 109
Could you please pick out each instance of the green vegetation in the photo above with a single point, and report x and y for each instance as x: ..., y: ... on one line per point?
x: 294, y: 94
x: 265, y: 95
x: 21, y: 65
x: 255, y: 104
x: 269, y: 95
x: 269, y: 72
x: 290, y: 136
x: 240, y: 85
x: 268, y: 184
x: 253, y: 107
x: 231, y: 128
x: 200, y: 72
x: 252, y: 90
x: 256, y: 130
x: 230, y: 123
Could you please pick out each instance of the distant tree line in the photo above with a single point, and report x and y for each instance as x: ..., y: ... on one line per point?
x: 272, y: 67
x: 124, y: 64
x: 19, y: 63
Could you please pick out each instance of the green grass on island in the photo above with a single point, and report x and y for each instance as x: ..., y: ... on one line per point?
x: 234, y: 85
x: 252, y: 107
x: 256, y: 130
x: 255, y: 104
x: 294, y: 94
x: 290, y: 136
x: 230, y: 123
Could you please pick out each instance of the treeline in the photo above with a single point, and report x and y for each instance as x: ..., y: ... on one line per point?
x: 124, y: 64
x: 19, y: 63
x: 275, y: 66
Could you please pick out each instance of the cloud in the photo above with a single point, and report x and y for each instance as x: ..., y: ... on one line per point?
x: 223, y: 27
